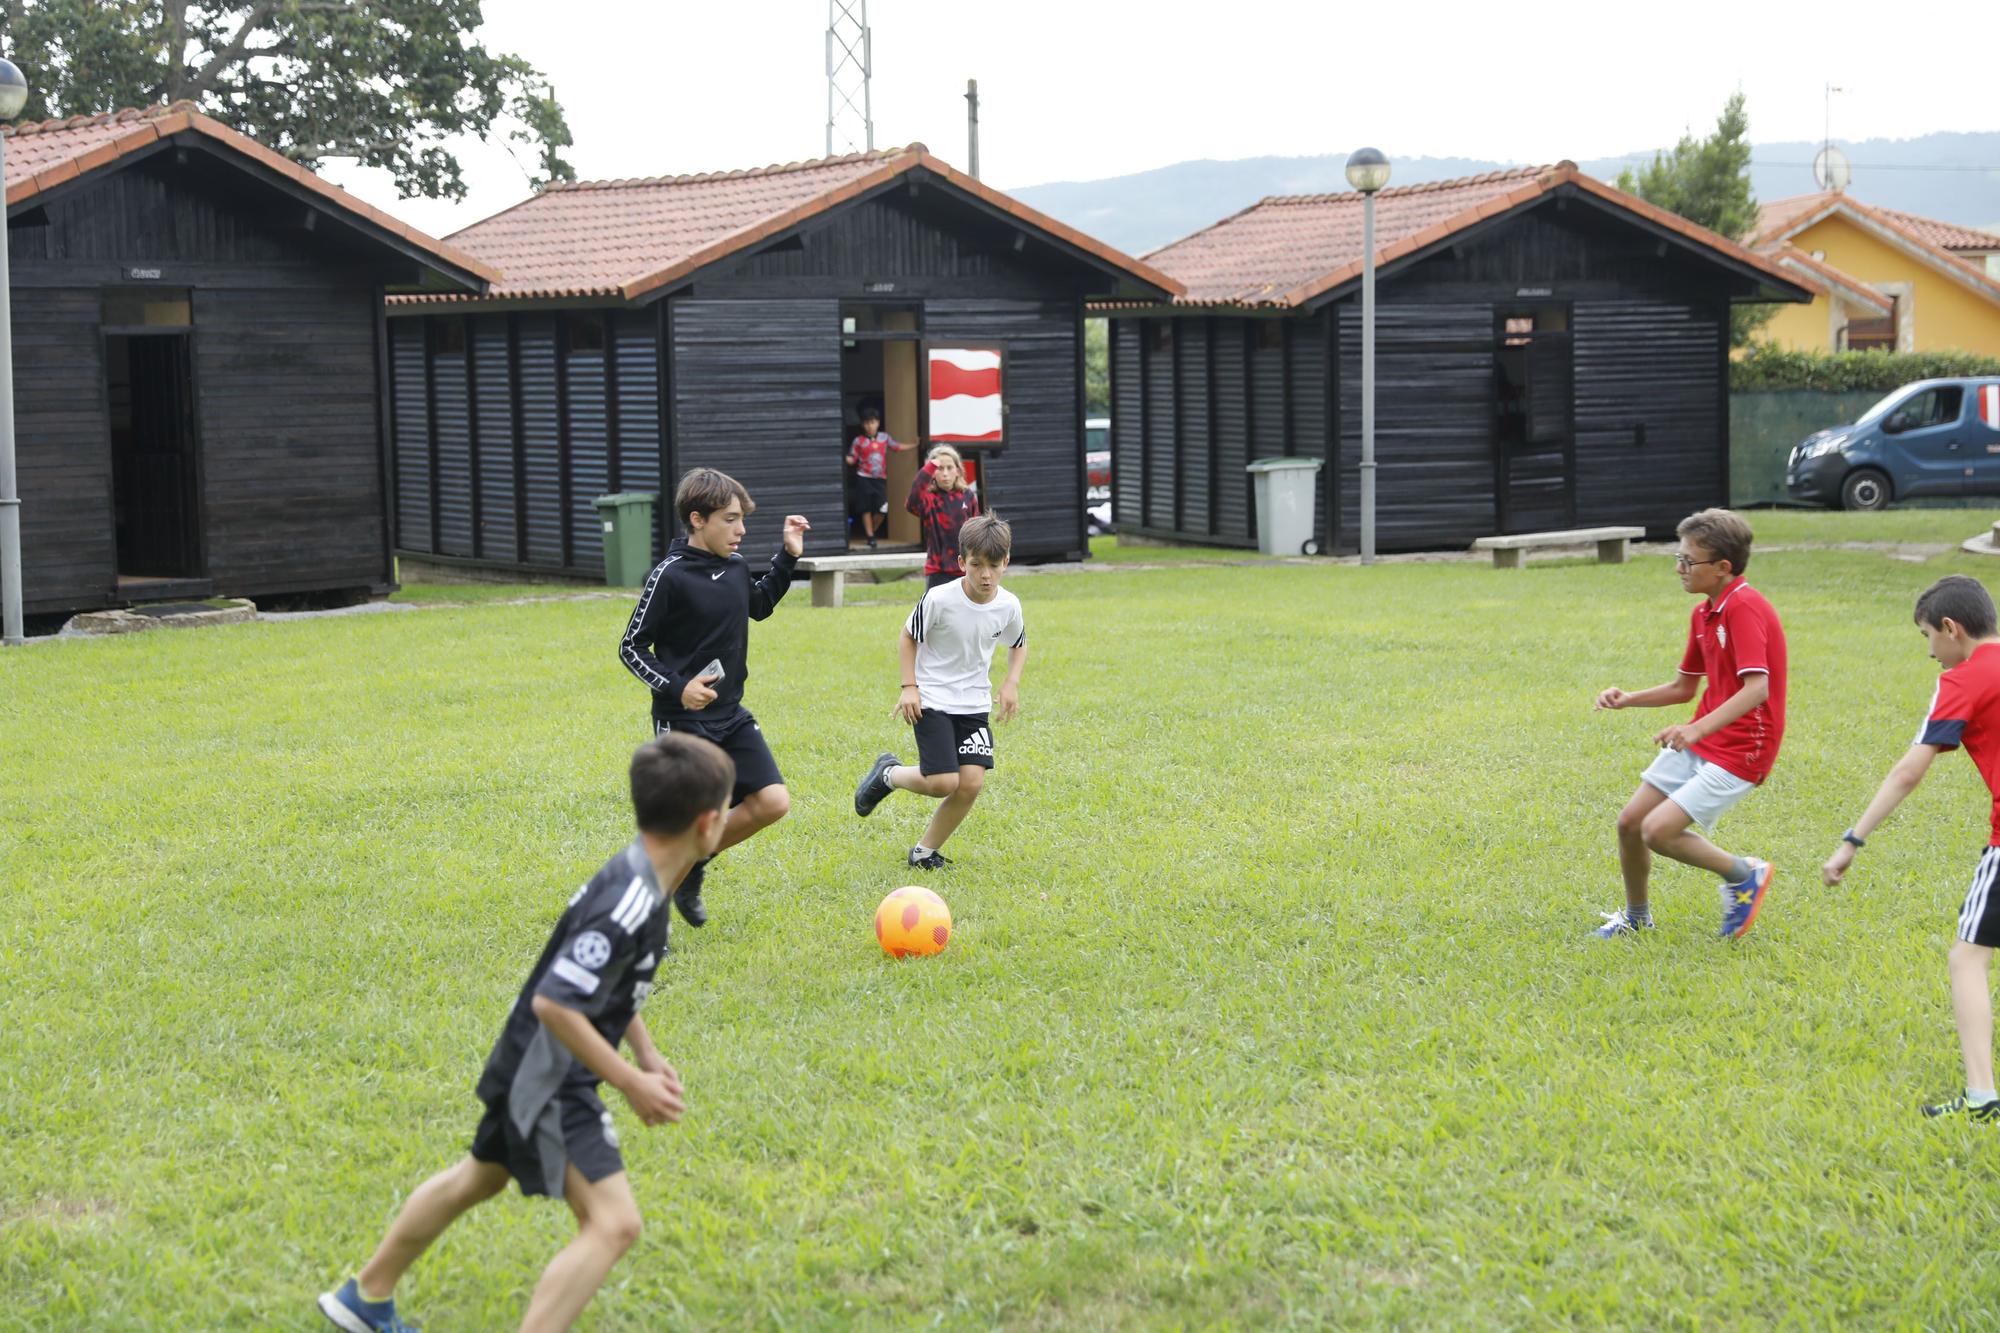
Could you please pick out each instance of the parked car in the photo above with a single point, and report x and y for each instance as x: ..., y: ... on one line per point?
x: 1933, y: 437
x: 1097, y: 474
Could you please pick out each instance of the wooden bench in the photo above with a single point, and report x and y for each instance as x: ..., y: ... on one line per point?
x: 1611, y: 544
x: 829, y: 572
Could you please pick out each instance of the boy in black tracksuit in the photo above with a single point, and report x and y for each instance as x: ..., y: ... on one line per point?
x: 693, y: 613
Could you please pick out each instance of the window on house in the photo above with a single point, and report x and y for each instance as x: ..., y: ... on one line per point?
x: 147, y: 308
x: 1863, y: 335
x: 584, y: 330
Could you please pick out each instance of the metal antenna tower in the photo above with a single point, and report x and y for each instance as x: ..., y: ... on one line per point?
x: 850, y: 115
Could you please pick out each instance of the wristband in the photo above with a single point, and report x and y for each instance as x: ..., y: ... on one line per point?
x: 1851, y: 838
x: 909, y: 684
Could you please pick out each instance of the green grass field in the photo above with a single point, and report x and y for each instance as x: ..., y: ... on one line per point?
x: 1271, y: 1000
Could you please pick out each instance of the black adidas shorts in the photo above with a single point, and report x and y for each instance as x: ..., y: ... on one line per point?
x: 743, y: 741
x: 574, y: 1130
x: 948, y: 741
x: 1979, y: 919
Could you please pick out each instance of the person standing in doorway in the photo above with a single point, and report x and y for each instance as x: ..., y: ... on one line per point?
x: 868, y: 455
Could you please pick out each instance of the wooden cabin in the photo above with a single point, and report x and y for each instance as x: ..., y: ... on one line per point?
x: 1550, y: 353
x: 740, y: 320
x: 198, y: 349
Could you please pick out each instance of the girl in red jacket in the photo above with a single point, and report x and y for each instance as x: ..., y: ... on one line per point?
x: 942, y: 502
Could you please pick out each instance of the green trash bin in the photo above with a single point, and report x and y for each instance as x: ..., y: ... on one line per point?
x: 628, y: 536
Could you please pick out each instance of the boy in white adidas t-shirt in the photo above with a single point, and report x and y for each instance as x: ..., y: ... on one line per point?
x: 947, y: 652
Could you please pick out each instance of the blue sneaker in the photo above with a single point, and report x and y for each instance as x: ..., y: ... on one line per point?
x: 1740, y: 902
x: 348, y: 1311
x: 1619, y: 923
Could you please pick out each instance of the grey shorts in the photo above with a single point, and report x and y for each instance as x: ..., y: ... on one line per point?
x: 1705, y: 791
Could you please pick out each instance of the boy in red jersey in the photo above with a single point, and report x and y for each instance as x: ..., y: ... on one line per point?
x: 868, y: 455
x: 1710, y: 763
x: 1957, y: 619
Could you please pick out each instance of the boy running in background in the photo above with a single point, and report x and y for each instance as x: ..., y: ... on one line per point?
x: 1957, y: 619
x: 947, y: 656
x: 545, y: 1127
x: 1709, y: 764
x: 869, y: 457
x: 689, y: 640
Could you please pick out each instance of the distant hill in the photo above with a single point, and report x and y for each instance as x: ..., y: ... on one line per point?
x: 1146, y: 210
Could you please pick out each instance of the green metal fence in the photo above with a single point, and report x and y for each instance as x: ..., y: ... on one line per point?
x: 1763, y: 427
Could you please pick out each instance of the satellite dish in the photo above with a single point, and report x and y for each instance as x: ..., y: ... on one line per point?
x: 1831, y: 169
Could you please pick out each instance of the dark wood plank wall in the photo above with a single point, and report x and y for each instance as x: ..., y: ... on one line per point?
x: 489, y: 350
x: 284, y: 371
x: 1038, y: 477
x: 1191, y: 445
x: 1648, y: 378
x: 1233, y: 507
x: 1128, y: 437
x: 504, y: 441
x: 285, y: 405
x: 1434, y: 411
x: 63, y: 453
x: 757, y: 394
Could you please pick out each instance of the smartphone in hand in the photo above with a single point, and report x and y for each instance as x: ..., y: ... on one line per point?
x: 712, y: 672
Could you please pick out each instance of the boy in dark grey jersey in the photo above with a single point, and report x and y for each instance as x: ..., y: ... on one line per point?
x: 545, y: 1126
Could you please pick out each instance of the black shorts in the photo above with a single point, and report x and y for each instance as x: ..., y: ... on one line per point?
x: 1979, y: 919
x: 939, y: 579
x: 871, y: 495
x: 743, y: 741
x: 574, y: 1130
x: 947, y: 742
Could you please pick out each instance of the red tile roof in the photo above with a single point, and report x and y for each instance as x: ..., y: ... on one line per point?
x: 1944, y: 235
x: 1787, y: 216
x: 1822, y: 278
x: 1287, y: 250
x: 44, y: 154
x: 625, y: 238
x: 1780, y: 215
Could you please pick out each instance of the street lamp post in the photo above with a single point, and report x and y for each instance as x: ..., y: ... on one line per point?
x: 1367, y: 171
x: 13, y: 96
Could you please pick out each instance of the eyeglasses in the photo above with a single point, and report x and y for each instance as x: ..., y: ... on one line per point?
x: 1683, y: 562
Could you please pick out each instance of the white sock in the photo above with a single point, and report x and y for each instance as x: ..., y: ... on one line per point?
x: 1978, y: 1098
x: 922, y: 850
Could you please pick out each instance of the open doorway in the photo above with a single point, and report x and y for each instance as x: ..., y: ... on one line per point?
x: 1534, y: 445
x: 154, y: 462
x: 878, y: 369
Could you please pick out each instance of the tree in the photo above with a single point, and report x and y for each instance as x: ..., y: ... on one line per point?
x: 385, y: 81
x: 1707, y: 181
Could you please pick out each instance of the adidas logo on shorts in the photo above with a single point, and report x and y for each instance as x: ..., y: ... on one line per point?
x: 979, y: 742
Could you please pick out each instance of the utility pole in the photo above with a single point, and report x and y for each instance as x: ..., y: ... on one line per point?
x: 850, y: 114
x: 972, y: 127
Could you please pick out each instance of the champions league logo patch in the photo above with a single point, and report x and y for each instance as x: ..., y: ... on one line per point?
x: 591, y: 949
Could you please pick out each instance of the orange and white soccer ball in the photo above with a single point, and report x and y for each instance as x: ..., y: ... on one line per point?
x: 912, y: 920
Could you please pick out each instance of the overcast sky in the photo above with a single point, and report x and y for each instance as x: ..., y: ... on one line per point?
x: 1080, y: 89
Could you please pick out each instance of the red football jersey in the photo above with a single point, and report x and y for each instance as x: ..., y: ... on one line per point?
x: 1966, y: 711
x: 1728, y: 638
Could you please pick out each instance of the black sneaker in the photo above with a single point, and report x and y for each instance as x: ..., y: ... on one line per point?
x: 875, y: 786
x: 688, y: 896
x: 934, y: 861
x: 871, y: 543
x: 1960, y: 1106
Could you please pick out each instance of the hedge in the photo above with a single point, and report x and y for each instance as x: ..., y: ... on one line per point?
x: 1765, y: 366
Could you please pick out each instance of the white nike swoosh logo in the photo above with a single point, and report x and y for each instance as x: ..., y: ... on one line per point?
x: 716, y: 575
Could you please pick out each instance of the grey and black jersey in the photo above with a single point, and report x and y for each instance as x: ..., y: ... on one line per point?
x: 599, y: 961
